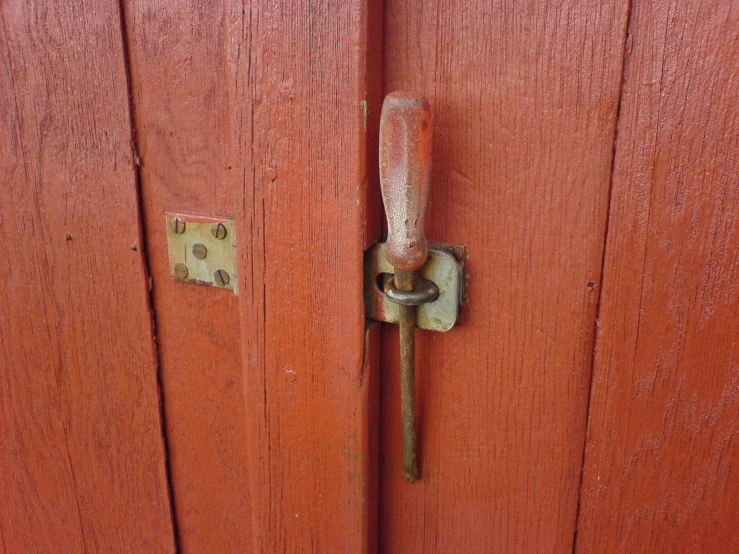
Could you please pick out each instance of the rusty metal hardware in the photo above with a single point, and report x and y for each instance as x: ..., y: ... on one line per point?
x: 444, y: 267
x: 177, y: 226
x: 218, y: 230
x: 221, y: 277
x: 181, y: 271
x: 199, y: 251
x: 425, y: 291
x: 406, y: 280
x: 202, y: 250
x: 405, y: 164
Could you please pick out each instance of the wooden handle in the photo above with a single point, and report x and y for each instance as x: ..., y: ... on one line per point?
x: 405, y: 165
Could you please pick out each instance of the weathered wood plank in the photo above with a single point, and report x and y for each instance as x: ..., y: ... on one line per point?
x: 525, y: 98
x: 661, y: 472
x: 260, y: 112
x: 82, y: 456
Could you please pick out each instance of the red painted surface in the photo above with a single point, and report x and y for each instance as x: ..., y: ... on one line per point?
x: 268, y: 114
x: 82, y: 459
x: 259, y: 113
x: 661, y: 469
x: 524, y: 97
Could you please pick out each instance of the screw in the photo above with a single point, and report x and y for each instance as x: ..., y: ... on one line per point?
x: 218, y: 230
x: 181, y: 271
x: 221, y: 277
x: 199, y: 251
x: 178, y: 226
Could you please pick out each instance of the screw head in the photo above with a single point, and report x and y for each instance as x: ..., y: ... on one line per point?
x: 457, y: 253
x: 218, y: 230
x: 199, y: 251
x: 181, y: 271
x: 178, y: 226
x: 221, y: 277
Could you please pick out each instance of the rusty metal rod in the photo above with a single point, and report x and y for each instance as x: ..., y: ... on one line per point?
x: 406, y: 281
x: 405, y: 165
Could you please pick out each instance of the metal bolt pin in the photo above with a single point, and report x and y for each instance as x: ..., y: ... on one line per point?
x: 221, y: 277
x: 218, y: 230
x: 199, y: 251
x: 181, y: 271
x: 405, y: 150
x: 178, y: 226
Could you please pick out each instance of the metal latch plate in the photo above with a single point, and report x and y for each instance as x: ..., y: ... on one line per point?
x: 202, y: 250
x: 444, y: 267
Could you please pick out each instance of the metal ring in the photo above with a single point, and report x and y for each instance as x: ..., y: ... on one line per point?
x: 426, y: 291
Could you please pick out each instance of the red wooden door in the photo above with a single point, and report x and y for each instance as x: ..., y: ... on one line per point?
x: 558, y: 128
x: 264, y: 113
x: 661, y: 460
x: 523, y: 135
x: 585, y: 154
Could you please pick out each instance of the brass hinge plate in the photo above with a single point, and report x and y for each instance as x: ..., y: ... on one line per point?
x: 202, y: 250
x: 443, y: 267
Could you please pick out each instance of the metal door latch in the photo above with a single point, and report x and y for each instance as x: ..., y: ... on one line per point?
x: 406, y: 279
x: 444, y: 269
x: 202, y: 250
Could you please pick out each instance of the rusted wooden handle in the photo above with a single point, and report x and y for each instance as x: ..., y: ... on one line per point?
x: 405, y: 165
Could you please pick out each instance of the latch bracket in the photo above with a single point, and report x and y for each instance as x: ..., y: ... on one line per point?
x: 444, y: 268
x: 202, y: 250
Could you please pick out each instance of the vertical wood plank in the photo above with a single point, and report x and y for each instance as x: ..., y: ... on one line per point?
x: 304, y: 363
x: 660, y: 472
x: 181, y: 68
x: 525, y: 98
x: 260, y: 112
x: 82, y: 464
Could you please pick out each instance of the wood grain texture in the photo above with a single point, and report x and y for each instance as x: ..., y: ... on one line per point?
x: 260, y: 112
x: 180, y: 62
x: 82, y: 466
x: 302, y: 311
x: 524, y: 97
x: 661, y: 472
